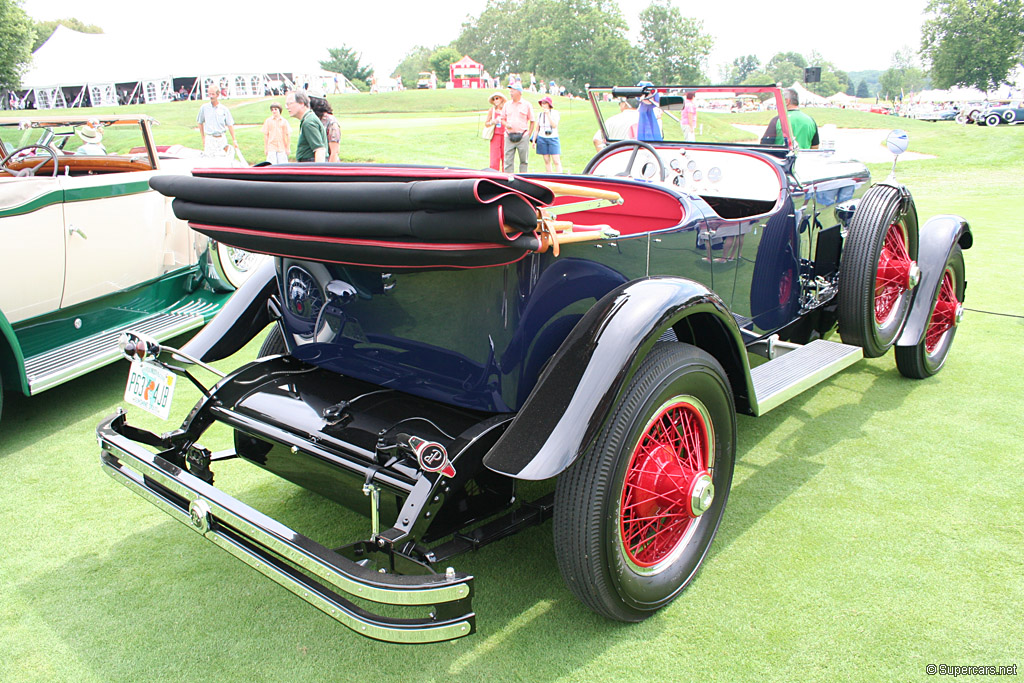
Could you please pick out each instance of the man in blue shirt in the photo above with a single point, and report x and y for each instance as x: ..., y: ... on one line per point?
x: 215, y: 121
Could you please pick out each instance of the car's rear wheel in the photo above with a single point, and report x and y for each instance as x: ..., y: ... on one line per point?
x: 1008, y: 116
x: 274, y: 344
x: 992, y: 120
x: 635, y: 515
x: 927, y: 357
x: 878, y: 271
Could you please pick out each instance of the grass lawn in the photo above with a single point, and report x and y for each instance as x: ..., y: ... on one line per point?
x: 874, y: 525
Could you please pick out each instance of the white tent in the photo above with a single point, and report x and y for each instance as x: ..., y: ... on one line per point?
x: 85, y: 68
x: 842, y: 98
x: 807, y: 98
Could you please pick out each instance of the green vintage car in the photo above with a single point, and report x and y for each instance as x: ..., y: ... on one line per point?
x: 87, y: 250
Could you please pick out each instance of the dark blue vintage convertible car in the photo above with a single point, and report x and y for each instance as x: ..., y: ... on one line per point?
x: 441, y: 336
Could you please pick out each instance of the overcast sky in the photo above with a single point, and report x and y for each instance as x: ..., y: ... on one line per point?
x: 853, y: 35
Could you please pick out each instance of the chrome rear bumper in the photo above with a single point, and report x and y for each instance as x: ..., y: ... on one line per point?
x: 310, y: 570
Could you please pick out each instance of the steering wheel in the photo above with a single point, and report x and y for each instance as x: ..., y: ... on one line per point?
x: 29, y: 170
x: 636, y: 145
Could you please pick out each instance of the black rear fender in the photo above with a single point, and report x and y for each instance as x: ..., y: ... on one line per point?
x: 593, y: 366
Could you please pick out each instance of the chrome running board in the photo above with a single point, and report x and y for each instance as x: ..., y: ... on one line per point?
x: 793, y: 372
x: 64, y: 363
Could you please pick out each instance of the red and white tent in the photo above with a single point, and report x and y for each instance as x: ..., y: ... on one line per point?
x: 466, y: 73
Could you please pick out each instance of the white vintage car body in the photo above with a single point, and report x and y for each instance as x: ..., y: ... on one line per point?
x: 88, y: 248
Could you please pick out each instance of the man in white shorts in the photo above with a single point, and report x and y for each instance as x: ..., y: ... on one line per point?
x: 215, y: 121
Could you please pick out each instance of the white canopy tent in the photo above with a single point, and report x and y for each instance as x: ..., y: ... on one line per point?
x: 842, y: 98
x: 807, y: 98
x: 73, y: 68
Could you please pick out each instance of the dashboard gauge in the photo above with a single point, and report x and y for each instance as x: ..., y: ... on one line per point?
x: 714, y: 174
x: 675, y: 165
x: 691, y: 165
x: 697, y: 176
x: 304, y: 298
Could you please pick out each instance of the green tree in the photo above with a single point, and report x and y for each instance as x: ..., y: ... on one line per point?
x: 16, y: 37
x: 784, y: 68
x: 415, y: 60
x: 571, y: 41
x: 44, y: 29
x: 832, y: 79
x: 674, y: 48
x: 903, y: 77
x: 344, y: 60
x: 973, y: 43
x: 862, y: 89
x: 441, y: 59
x: 740, y: 69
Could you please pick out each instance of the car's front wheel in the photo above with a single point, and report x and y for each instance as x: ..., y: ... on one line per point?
x: 927, y: 357
x: 232, y: 266
x: 635, y: 515
x: 878, y: 271
x: 992, y: 120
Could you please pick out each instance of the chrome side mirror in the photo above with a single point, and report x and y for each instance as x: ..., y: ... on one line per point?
x: 897, y: 141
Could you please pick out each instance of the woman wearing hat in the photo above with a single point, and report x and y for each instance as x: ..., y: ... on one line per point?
x: 496, y: 122
x: 91, y: 139
x: 547, y: 136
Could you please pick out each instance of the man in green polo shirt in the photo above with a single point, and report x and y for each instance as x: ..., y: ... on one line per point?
x: 312, y: 137
x: 805, y: 130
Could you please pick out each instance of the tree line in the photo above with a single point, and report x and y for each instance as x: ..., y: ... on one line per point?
x: 976, y: 43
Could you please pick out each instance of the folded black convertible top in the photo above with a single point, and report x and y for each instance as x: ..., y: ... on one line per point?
x: 381, y: 216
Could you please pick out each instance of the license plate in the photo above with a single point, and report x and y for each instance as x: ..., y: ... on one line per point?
x: 150, y: 387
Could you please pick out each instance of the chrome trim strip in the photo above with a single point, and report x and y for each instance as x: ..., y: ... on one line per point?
x: 792, y: 373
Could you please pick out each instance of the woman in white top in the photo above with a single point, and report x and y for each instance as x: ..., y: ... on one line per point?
x: 546, y: 140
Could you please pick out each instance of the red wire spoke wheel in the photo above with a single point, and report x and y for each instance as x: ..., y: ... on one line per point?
x: 928, y: 356
x: 878, y: 270
x: 635, y: 515
x: 896, y: 274
x: 946, y: 315
x: 668, y: 484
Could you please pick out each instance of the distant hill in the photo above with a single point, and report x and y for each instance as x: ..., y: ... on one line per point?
x: 869, y: 77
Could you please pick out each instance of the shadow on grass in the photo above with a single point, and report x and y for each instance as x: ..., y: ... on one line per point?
x: 27, y: 420
x: 161, y: 600
x: 164, y: 601
x: 769, y: 485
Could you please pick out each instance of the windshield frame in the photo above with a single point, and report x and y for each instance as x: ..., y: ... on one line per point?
x: 42, y: 123
x: 594, y: 93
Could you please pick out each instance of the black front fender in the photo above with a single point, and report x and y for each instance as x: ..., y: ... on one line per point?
x: 594, y: 364
x: 241, y: 318
x: 936, y: 240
